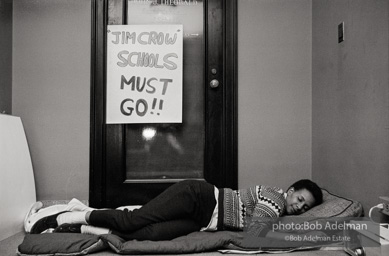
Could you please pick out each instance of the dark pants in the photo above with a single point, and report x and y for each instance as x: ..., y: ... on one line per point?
x: 183, y: 208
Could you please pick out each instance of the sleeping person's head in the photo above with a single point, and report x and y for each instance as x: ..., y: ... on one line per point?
x: 302, y: 196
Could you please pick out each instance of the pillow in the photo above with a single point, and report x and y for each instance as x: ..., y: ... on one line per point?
x: 51, y: 244
x: 335, y: 206
x: 334, y: 209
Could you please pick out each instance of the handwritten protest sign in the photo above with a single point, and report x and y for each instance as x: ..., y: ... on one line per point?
x: 144, y: 74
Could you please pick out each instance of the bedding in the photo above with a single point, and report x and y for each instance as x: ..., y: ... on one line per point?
x: 61, y: 244
x: 335, y: 206
x: 334, y: 209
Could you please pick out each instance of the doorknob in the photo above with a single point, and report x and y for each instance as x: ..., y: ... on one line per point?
x: 214, y: 83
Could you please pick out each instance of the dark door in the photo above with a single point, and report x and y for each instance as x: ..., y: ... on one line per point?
x: 132, y: 163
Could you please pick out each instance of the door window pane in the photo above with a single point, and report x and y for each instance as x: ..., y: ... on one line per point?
x: 162, y: 152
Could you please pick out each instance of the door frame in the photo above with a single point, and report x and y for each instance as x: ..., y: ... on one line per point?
x: 225, y: 160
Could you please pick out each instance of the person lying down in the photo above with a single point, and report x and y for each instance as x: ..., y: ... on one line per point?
x: 184, y: 207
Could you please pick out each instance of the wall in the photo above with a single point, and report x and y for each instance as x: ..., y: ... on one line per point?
x: 6, y: 56
x: 51, y: 92
x: 274, y: 91
x: 350, y: 91
x: 284, y: 47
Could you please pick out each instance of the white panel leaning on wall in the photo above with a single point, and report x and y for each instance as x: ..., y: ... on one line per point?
x: 17, y: 186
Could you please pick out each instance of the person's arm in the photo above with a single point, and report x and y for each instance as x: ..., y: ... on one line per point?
x: 267, y: 210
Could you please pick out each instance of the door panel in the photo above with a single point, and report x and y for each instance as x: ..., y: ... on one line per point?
x: 132, y: 163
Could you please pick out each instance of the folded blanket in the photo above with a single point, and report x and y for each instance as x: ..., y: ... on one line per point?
x: 81, y: 244
x: 60, y: 244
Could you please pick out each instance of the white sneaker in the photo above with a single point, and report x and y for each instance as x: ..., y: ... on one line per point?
x: 36, y: 213
x: 33, y: 209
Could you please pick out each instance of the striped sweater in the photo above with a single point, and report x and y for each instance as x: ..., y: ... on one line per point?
x: 238, y: 207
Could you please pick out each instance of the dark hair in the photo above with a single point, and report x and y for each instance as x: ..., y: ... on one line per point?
x: 311, y: 187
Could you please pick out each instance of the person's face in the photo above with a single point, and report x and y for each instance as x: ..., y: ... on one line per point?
x: 298, y: 201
